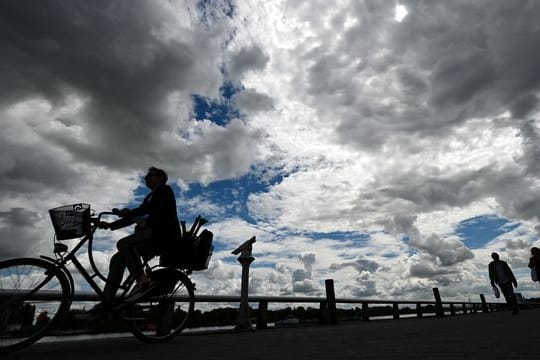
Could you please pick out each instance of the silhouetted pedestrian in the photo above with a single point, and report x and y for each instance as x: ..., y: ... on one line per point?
x: 534, y: 264
x: 501, y: 274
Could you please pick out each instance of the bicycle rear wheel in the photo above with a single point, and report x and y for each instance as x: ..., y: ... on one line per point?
x: 33, y: 294
x: 163, y: 315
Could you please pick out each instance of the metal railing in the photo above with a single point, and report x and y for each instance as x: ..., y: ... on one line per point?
x: 327, y: 304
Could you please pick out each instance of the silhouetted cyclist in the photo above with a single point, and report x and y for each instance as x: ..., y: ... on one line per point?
x: 156, y: 232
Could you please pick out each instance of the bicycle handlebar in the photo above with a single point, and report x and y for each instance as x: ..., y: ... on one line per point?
x: 114, y: 211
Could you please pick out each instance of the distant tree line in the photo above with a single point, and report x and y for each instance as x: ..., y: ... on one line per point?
x: 226, y: 316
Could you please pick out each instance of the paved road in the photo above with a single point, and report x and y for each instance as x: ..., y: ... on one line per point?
x: 477, y: 336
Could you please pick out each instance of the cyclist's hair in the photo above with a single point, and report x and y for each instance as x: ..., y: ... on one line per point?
x: 161, y: 173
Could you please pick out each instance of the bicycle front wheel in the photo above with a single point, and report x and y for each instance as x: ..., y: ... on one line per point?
x: 163, y: 316
x: 33, y: 294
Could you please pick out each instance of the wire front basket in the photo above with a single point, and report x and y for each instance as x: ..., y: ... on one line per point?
x: 71, y: 221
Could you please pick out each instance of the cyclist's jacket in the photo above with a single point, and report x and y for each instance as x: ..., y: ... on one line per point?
x: 159, y: 207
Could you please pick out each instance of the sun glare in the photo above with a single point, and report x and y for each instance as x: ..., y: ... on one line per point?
x: 400, y: 12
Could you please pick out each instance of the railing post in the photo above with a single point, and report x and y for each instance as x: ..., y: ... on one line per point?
x: 484, y: 304
x: 331, y: 301
x: 395, y: 311
x: 439, y: 311
x: 419, y: 313
x: 464, y: 308
x: 323, y: 313
x: 452, y: 310
x: 262, y: 315
x: 166, y: 309
x: 365, y: 311
x: 245, y: 259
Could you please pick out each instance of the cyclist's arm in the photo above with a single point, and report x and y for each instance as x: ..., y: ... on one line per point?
x: 141, y: 210
x: 120, y: 223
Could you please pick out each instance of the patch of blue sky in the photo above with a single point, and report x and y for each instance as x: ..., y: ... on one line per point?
x: 261, y: 264
x: 219, y: 246
x: 231, y: 260
x: 103, y: 244
x: 478, y: 231
x: 220, y: 111
x: 390, y: 255
x: 411, y: 249
x: 209, y: 9
x: 230, y: 196
x: 343, y: 239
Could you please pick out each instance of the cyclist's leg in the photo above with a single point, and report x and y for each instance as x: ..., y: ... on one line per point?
x: 117, y: 267
x: 134, y: 246
x: 126, y: 257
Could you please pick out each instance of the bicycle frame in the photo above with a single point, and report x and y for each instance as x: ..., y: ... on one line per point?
x: 167, y: 304
x: 72, y: 256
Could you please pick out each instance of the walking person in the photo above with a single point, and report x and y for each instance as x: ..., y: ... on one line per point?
x: 501, y: 274
x: 534, y: 264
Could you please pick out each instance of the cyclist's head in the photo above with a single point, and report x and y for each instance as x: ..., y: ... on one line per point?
x: 161, y: 174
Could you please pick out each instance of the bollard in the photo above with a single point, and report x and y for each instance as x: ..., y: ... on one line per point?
x: 245, y: 259
x: 166, y: 309
x: 331, y: 301
x: 439, y: 311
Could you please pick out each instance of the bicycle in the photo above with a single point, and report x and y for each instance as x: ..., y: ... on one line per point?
x: 36, y: 292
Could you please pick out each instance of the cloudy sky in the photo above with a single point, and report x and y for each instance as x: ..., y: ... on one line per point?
x: 388, y: 146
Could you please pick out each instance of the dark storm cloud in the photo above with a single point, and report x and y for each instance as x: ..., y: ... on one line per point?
x: 439, y: 189
x: 132, y: 67
x: 246, y: 59
x: 425, y: 267
x: 447, y: 62
x: 364, y: 288
x: 523, y: 105
x: 20, y: 233
x: 30, y: 171
x: 531, y: 146
x: 513, y: 189
x: 447, y: 251
x: 302, y: 281
x: 251, y: 101
x: 435, y: 251
x: 457, y: 79
x: 118, y: 56
x: 361, y: 264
